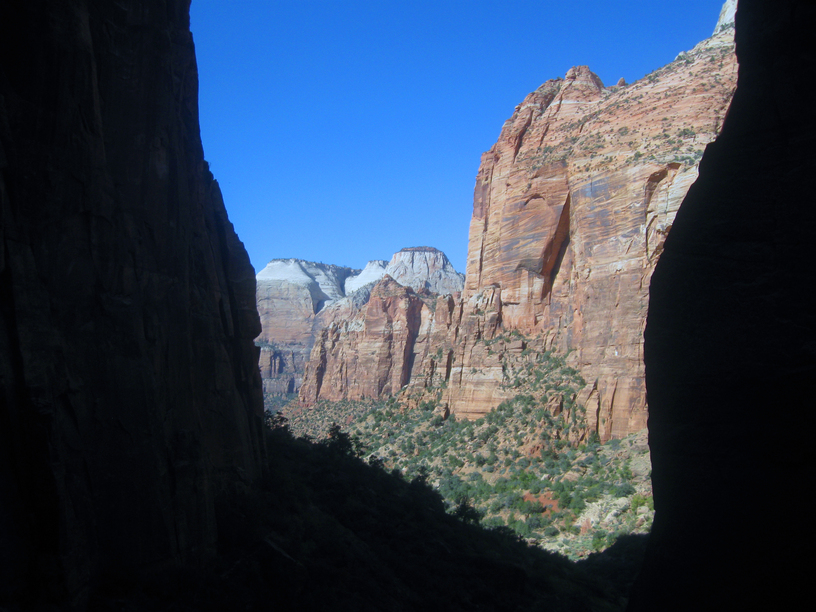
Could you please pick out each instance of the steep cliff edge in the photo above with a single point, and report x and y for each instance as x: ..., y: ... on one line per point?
x: 731, y: 342
x: 571, y: 209
x: 129, y: 389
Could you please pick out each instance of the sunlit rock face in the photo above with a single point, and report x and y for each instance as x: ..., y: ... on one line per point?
x: 368, y: 351
x: 571, y: 209
x: 298, y: 300
x: 290, y: 295
x: 425, y: 268
x: 731, y: 342
x: 129, y: 388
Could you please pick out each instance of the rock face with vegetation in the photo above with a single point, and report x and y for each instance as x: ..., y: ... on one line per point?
x: 129, y: 390
x: 526, y: 467
x: 571, y: 209
x: 731, y: 341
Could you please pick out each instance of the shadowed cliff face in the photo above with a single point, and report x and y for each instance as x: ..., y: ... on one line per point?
x: 731, y: 342
x: 129, y: 388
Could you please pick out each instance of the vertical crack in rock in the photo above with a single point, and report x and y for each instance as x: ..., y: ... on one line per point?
x: 556, y: 248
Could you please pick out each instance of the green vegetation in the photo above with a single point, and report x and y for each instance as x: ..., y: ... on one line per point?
x: 325, y: 529
x: 531, y: 465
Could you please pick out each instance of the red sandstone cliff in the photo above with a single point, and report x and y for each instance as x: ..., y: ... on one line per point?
x: 370, y: 350
x: 290, y: 295
x: 297, y: 300
x: 571, y: 208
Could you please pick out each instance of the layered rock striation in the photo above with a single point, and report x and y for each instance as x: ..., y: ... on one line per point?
x: 129, y: 390
x: 290, y: 294
x: 298, y: 300
x: 369, y: 350
x: 425, y: 269
x: 571, y: 209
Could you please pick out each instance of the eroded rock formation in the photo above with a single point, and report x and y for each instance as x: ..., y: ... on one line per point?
x: 290, y: 295
x: 571, y: 209
x: 297, y: 300
x: 731, y: 342
x: 570, y: 212
x: 370, y: 349
x: 425, y: 268
x: 129, y: 390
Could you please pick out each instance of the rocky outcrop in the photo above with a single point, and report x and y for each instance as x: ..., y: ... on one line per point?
x: 367, y: 352
x: 298, y: 300
x: 129, y: 390
x: 370, y: 348
x: 290, y: 294
x: 571, y: 209
x: 731, y: 342
x: 425, y: 268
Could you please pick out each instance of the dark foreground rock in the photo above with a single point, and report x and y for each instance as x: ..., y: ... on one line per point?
x: 129, y: 387
x: 731, y: 342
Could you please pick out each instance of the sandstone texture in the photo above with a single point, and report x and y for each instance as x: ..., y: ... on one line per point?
x: 129, y: 390
x: 425, y: 268
x: 571, y: 209
x: 370, y: 349
x: 297, y: 300
x: 731, y: 341
x: 290, y: 293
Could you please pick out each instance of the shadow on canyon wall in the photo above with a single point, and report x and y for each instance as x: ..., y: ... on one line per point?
x: 135, y: 473
x: 730, y: 343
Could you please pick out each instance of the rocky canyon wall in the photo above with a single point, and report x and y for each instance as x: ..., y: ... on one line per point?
x: 299, y: 300
x: 129, y: 388
x: 731, y: 342
x: 290, y: 295
x: 571, y: 209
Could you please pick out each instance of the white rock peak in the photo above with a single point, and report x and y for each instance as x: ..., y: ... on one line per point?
x: 421, y: 268
x: 325, y: 282
x: 425, y: 268
x: 727, y: 16
x: 373, y: 272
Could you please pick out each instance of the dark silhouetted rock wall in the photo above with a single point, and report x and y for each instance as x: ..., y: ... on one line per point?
x: 129, y: 387
x: 731, y: 343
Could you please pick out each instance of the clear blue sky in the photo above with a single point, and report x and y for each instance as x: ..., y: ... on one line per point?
x: 344, y: 130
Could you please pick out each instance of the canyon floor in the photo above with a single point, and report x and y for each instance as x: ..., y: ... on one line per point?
x: 530, y: 467
x: 331, y: 530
